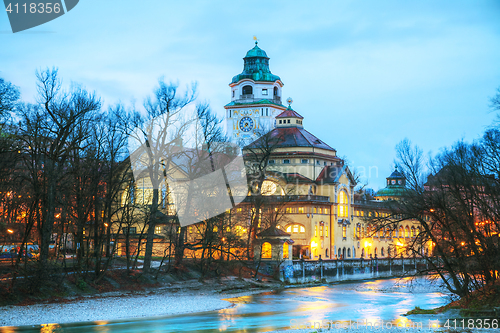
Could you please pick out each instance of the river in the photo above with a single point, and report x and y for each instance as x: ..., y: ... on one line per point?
x: 373, y: 301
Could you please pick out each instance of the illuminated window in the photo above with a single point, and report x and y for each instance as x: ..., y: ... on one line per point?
x: 228, y: 229
x: 190, y: 230
x: 295, y: 228
x: 326, y: 210
x: 266, y: 250
x: 326, y: 231
x: 315, y: 231
x: 321, y: 210
x: 301, y: 210
x: 285, y: 251
x: 344, y: 231
x: 158, y: 230
x: 215, y: 229
x: 412, y: 231
x: 342, y: 204
x: 358, y: 230
x: 315, y: 210
x: 321, y: 231
x: 407, y: 232
x: 401, y: 232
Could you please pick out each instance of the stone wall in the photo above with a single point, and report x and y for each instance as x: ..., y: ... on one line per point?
x: 303, y: 271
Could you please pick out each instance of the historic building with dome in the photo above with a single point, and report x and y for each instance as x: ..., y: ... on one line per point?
x: 323, y: 216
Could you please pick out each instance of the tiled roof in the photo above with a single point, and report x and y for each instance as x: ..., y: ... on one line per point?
x: 273, y: 232
x: 293, y: 137
x: 289, y: 113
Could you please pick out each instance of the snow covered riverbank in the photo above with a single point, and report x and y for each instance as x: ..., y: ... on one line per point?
x: 110, y: 308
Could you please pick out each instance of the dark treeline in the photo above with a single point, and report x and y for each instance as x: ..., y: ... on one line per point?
x: 454, y: 198
x: 68, y: 186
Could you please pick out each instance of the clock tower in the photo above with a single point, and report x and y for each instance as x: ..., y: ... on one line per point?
x: 255, y: 99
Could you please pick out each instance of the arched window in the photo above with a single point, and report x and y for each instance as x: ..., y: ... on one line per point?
x: 354, y: 252
x: 407, y: 232
x: 326, y: 253
x: 401, y: 232
x: 362, y: 252
x: 295, y: 228
x: 381, y: 251
x: 418, y: 231
x: 343, y: 253
x: 247, y: 90
x: 369, y: 230
x: 340, y: 253
x: 266, y: 250
x: 348, y: 253
x: 285, y: 250
x: 343, y: 204
x: 275, y: 91
x: 358, y: 230
x: 412, y: 232
x: 394, y: 233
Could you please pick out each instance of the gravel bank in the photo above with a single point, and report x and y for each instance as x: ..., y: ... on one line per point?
x: 110, y: 308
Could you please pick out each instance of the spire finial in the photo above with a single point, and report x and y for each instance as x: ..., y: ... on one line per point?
x: 289, y: 100
x: 256, y: 40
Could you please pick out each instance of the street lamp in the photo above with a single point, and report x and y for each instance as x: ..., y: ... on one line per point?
x: 10, y: 231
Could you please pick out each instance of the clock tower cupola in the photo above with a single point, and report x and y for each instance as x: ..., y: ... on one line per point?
x: 255, y: 99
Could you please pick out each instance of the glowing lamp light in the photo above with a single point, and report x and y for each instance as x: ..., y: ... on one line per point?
x: 106, y: 225
x: 10, y: 231
x: 399, y: 244
x: 463, y: 243
x: 314, y: 244
x: 367, y: 244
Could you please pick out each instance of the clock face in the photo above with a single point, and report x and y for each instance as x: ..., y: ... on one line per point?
x: 246, y: 124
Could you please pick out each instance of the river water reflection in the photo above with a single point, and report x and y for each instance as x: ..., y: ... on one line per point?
x: 375, y: 300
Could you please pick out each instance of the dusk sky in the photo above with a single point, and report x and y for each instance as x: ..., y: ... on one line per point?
x: 363, y: 74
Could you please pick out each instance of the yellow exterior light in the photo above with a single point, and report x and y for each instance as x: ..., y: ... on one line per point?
x: 367, y: 244
x: 314, y: 244
x: 10, y: 231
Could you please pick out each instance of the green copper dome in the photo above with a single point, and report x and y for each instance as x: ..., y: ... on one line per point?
x: 396, y: 186
x: 256, y: 67
x: 256, y: 52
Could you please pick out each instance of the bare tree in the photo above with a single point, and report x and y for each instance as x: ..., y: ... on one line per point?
x: 161, y: 134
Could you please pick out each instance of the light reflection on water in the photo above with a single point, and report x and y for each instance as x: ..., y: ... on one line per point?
x: 373, y: 300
